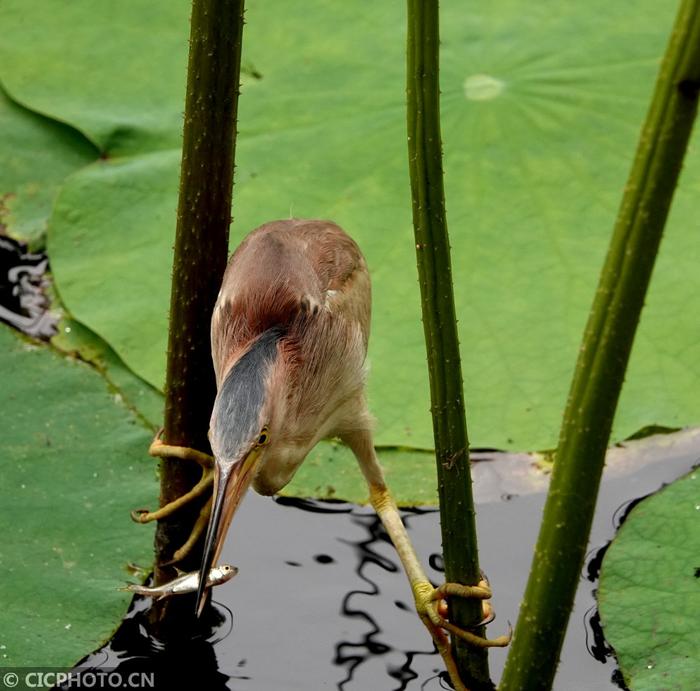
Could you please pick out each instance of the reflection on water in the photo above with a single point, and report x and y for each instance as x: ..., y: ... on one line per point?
x: 596, y: 644
x: 352, y: 654
x: 201, y: 657
x: 23, y: 302
x: 190, y: 659
x: 320, y: 601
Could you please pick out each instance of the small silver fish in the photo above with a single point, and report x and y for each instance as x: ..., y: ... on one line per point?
x: 184, y: 583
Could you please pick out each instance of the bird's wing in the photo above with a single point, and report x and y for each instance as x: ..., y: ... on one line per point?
x: 341, y: 270
x: 284, y: 270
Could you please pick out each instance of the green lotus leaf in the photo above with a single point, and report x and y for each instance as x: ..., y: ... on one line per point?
x: 74, y: 464
x: 541, y: 112
x: 73, y: 338
x: 649, y: 595
x: 36, y: 154
x: 115, y: 71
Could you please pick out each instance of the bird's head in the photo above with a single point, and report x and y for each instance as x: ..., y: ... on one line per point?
x: 245, y: 425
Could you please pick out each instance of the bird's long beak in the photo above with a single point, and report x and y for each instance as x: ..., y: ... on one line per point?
x: 230, y: 484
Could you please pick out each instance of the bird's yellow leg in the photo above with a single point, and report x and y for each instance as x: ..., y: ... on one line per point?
x: 430, y: 600
x: 160, y: 450
x: 199, y: 527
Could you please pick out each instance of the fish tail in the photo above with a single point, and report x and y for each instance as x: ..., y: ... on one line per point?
x: 129, y: 587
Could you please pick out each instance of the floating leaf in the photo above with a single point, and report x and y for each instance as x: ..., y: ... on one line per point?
x: 331, y: 471
x: 113, y: 70
x: 36, y: 154
x: 74, y: 464
x: 541, y: 111
x: 76, y: 339
x: 649, y: 595
x: 131, y: 231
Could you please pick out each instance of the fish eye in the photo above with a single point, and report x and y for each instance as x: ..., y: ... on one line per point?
x: 264, y: 436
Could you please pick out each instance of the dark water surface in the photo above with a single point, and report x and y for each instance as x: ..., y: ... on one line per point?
x: 23, y: 300
x: 320, y: 601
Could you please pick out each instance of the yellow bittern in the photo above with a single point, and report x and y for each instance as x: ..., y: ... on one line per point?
x: 289, y: 339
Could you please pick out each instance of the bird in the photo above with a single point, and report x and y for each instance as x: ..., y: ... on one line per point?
x: 289, y: 337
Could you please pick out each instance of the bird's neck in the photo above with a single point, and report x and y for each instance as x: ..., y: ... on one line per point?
x: 242, y: 395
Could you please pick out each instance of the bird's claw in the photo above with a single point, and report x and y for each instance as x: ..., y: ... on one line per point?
x: 431, y: 605
x: 432, y: 608
x: 159, y: 449
x: 140, y: 515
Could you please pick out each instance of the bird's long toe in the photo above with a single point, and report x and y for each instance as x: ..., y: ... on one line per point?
x: 159, y: 449
x: 197, y: 532
x: 431, y: 605
x: 202, y: 487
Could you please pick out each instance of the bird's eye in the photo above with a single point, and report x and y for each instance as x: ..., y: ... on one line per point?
x: 264, y: 437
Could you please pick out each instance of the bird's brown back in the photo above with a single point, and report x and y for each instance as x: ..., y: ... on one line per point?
x: 285, y: 274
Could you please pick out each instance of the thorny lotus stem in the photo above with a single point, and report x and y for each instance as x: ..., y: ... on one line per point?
x: 440, y: 325
x: 201, y: 248
x: 602, y: 361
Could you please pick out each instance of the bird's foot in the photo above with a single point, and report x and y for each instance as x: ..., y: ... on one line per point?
x: 431, y: 605
x: 198, y: 529
x: 160, y: 450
